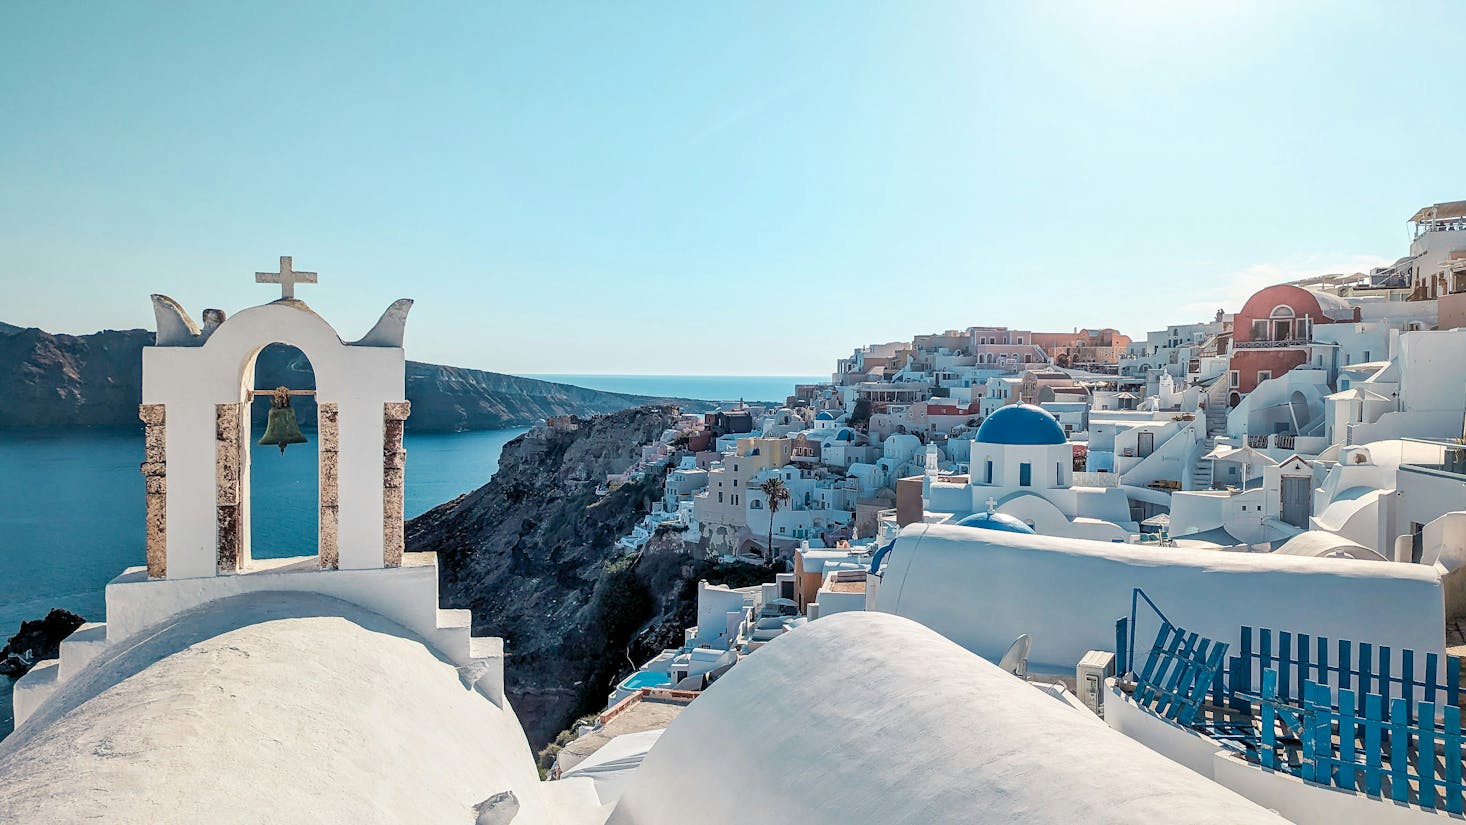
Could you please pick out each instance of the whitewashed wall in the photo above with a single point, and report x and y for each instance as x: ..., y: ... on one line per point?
x: 983, y: 588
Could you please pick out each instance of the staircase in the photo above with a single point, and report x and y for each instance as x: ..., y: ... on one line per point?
x: 1216, y: 425
x: 1201, y: 470
x: 1216, y: 409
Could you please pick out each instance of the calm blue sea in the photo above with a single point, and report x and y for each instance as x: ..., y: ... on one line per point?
x: 705, y: 387
x: 71, y: 511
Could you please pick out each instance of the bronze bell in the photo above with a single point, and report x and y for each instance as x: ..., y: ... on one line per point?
x: 282, y: 428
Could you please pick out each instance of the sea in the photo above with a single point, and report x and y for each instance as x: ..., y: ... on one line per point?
x: 71, y: 505
x: 749, y: 388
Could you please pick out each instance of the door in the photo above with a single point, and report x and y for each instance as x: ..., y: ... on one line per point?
x: 1296, y: 491
x: 1145, y: 443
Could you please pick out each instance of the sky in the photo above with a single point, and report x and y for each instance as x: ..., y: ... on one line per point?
x: 717, y: 188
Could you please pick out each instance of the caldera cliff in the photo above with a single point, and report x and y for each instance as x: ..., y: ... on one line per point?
x: 67, y: 381
x: 533, y: 553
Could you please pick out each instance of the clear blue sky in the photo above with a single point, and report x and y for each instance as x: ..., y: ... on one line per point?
x: 734, y: 188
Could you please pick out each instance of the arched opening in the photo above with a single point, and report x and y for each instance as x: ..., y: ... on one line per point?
x: 280, y: 492
x: 1301, y: 415
x: 1281, y: 319
x: 1234, y: 399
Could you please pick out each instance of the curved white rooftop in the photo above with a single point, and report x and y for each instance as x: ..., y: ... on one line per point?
x: 982, y: 588
x: 872, y: 719
x: 272, y: 707
x: 1323, y: 544
x: 1333, y: 306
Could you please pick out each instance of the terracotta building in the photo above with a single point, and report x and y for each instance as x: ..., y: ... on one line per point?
x: 1273, y: 333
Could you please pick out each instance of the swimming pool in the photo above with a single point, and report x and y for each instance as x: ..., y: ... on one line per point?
x: 645, y: 679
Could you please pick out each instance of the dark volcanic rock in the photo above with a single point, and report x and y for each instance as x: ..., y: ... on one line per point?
x: 533, y: 554
x: 68, y: 381
x: 38, y: 640
x: 65, y: 381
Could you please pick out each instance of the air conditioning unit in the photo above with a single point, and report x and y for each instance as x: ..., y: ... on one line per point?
x: 1089, y: 678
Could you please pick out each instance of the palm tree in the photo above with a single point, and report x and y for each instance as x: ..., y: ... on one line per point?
x: 774, y: 490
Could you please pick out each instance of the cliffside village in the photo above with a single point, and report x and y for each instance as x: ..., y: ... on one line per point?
x: 1322, y: 420
x: 1242, y: 432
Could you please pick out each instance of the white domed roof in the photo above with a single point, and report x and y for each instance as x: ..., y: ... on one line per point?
x: 870, y: 719
x: 274, y: 707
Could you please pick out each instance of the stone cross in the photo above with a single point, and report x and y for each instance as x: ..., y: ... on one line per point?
x: 992, y: 504
x: 287, y: 277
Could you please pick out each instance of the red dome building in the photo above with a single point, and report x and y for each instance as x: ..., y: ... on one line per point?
x: 1273, y: 333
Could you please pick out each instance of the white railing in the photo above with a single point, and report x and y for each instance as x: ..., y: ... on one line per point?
x: 1096, y: 480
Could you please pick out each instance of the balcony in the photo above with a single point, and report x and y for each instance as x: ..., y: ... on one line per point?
x: 1285, y: 343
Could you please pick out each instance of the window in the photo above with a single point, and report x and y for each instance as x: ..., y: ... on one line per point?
x: 1259, y: 330
x: 1058, y: 473
x: 735, y: 482
x: 988, y: 474
x: 1264, y: 375
x: 1025, y: 475
x: 1234, y: 379
x: 720, y: 498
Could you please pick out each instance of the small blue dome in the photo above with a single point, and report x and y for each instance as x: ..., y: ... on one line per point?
x: 996, y: 521
x: 845, y: 434
x: 824, y: 415
x: 1021, y: 424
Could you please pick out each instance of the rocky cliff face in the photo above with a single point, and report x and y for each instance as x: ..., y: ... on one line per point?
x: 38, y: 640
x: 68, y: 381
x: 533, y: 554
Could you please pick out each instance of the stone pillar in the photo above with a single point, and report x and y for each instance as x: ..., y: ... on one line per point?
x: 328, y: 430
x: 228, y: 454
x: 394, y: 463
x: 155, y: 487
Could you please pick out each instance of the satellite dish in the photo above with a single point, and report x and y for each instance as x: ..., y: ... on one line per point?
x: 1015, y: 661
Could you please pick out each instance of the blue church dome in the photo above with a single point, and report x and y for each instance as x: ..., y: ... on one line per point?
x: 1021, y: 424
x: 996, y: 521
x: 824, y: 415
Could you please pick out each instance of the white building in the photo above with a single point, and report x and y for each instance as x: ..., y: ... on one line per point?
x: 1021, y: 464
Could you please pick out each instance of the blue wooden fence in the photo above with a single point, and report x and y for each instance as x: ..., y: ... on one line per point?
x: 1361, y: 668
x: 1178, y: 673
x: 1385, y: 749
x: 1359, y: 716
